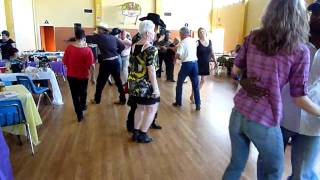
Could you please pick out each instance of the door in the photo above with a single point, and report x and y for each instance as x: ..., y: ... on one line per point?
x: 47, y: 35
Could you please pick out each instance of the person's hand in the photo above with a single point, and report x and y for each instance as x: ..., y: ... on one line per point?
x: 156, y: 93
x: 253, y: 91
x: 212, y: 65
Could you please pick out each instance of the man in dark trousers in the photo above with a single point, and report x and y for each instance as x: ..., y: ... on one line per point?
x: 163, y: 55
x: 155, y: 18
x: 110, y: 48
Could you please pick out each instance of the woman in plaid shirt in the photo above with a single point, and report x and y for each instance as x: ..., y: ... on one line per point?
x: 274, y: 55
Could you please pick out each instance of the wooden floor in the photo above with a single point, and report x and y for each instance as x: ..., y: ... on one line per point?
x: 191, y: 146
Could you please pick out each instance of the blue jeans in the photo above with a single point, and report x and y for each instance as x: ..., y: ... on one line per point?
x: 304, y: 153
x: 267, y: 140
x: 188, y: 69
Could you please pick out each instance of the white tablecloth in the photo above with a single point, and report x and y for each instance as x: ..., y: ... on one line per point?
x: 42, y: 75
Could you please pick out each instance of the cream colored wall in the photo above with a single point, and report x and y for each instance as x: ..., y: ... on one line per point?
x: 231, y: 19
x: 255, y: 9
x: 111, y: 12
x: 64, y: 13
x: 9, y: 17
x: 197, y: 14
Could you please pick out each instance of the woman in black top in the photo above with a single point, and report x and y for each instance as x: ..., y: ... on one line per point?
x: 205, y: 57
x: 6, y: 44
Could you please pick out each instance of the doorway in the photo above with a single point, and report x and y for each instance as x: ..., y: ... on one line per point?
x: 47, y: 35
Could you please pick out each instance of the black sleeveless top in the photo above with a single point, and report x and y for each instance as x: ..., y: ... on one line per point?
x: 204, y: 56
x: 204, y: 53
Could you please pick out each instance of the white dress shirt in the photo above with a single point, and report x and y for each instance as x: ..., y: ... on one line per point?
x: 187, y: 50
x: 294, y: 118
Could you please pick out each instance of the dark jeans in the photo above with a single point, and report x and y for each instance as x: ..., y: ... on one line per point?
x: 106, y: 69
x: 78, y: 88
x: 169, y: 68
x: 162, y: 57
x: 188, y: 69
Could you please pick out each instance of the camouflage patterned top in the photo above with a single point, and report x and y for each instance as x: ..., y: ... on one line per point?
x: 139, y: 83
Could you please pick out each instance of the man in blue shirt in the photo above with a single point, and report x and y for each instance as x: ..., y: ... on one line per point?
x: 110, y: 47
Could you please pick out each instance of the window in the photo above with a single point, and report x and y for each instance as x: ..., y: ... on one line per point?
x: 221, y: 3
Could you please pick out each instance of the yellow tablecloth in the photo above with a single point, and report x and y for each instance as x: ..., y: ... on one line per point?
x: 30, y: 111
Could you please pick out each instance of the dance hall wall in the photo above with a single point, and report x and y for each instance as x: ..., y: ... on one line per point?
x: 255, y: 10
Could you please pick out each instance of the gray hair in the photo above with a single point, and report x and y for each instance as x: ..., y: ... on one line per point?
x: 146, y: 26
x: 185, y: 31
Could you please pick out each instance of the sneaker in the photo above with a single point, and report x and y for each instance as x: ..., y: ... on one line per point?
x: 80, y: 117
x: 144, y: 138
x: 198, y: 108
x: 175, y: 104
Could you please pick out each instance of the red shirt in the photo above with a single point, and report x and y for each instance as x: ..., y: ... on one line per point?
x: 78, y: 61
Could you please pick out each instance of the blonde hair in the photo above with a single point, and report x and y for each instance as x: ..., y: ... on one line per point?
x: 284, y: 27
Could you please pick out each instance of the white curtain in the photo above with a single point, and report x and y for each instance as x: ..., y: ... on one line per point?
x: 221, y: 3
x: 24, y: 24
x: 3, y: 25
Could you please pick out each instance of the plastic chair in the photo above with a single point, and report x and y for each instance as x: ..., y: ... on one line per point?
x: 27, y: 83
x: 6, y: 83
x: 11, y: 113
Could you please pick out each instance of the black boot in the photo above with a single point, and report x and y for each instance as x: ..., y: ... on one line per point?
x: 135, y: 135
x: 80, y: 116
x: 144, y: 138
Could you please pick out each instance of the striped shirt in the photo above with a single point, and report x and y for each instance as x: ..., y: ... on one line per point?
x: 273, y: 73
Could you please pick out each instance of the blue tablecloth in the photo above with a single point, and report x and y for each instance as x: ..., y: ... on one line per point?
x: 5, y: 165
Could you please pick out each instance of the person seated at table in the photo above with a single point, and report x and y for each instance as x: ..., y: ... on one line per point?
x: 79, y: 61
x: 6, y: 44
x: 16, y: 64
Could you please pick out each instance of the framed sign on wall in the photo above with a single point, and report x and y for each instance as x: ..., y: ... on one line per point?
x: 130, y: 10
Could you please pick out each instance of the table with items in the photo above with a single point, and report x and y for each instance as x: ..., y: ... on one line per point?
x: 30, y: 111
x: 38, y: 74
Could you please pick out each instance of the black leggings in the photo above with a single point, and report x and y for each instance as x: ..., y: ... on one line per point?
x: 78, y: 88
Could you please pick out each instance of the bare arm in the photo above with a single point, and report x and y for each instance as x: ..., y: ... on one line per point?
x: 306, y: 104
x: 126, y: 42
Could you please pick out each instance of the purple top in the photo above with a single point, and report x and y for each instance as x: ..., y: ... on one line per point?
x: 273, y: 73
x: 5, y: 166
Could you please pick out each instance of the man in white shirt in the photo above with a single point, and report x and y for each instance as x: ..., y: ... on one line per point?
x: 187, y: 53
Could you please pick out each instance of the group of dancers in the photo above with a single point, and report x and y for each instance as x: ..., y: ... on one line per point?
x: 273, y: 56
